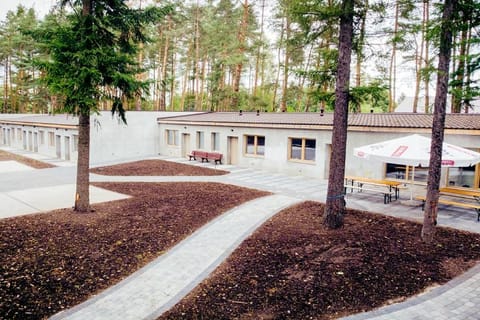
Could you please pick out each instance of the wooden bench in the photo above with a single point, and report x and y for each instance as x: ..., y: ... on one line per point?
x: 393, y: 186
x: 202, y: 155
x: 215, y: 156
x: 466, y: 205
x: 387, y: 194
x: 206, y: 156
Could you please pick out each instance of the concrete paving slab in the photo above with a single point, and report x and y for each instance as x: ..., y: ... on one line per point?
x: 13, y: 166
x: 21, y: 202
x: 13, y: 207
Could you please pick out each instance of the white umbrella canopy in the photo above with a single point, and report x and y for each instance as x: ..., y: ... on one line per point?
x: 414, y: 150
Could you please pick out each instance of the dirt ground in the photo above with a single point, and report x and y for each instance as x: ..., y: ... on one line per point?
x: 156, y: 168
x: 290, y: 268
x: 4, y: 156
x: 52, y: 261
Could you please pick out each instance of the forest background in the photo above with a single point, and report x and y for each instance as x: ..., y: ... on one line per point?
x: 268, y: 55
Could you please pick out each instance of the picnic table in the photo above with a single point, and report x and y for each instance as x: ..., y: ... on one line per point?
x: 373, y: 185
x: 458, y: 197
x: 461, y: 192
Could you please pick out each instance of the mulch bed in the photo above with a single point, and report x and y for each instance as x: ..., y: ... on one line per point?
x: 55, y: 260
x: 5, y: 156
x: 156, y: 168
x: 293, y: 268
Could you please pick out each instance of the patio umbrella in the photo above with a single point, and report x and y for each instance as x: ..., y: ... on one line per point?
x: 414, y: 150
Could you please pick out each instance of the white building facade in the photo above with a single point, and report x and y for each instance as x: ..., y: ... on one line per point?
x: 291, y: 143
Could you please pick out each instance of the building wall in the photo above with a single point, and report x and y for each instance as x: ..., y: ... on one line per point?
x: 276, y: 148
x: 275, y: 158
x: 112, y: 140
x: 49, y: 141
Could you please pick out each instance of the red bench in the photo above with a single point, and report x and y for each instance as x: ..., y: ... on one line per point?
x: 215, y: 156
x: 198, y: 154
x: 205, y: 156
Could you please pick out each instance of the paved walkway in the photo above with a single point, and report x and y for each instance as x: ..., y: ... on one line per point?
x: 158, y: 286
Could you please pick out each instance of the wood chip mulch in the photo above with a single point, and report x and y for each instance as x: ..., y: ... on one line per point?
x: 55, y: 260
x: 292, y: 268
x: 155, y: 167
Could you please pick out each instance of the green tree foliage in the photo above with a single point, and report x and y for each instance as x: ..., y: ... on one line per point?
x: 464, y: 86
x: 21, y: 93
x: 92, y: 59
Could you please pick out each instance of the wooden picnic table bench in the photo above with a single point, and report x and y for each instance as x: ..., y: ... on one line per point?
x: 393, y: 186
x: 387, y: 194
x: 457, y: 198
x: 462, y: 192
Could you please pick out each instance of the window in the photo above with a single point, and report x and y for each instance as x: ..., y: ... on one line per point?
x: 75, y: 142
x: 401, y: 172
x: 200, y: 140
x: 255, y: 145
x: 302, y: 149
x: 41, y: 135
x: 172, y: 137
x: 51, y: 139
x: 215, y: 141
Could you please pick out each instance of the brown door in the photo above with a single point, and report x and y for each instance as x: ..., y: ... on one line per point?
x: 186, y: 149
x: 232, y: 152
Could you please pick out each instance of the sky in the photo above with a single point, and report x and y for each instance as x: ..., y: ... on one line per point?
x: 41, y: 6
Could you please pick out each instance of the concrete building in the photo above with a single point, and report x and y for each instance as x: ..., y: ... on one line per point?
x: 300, y: 143
x: 293, y: 143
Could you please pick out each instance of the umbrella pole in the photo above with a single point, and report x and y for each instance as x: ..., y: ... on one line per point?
x: 411, y: 183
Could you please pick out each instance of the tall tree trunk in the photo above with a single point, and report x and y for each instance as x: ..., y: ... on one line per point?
x: 286, y: 66
x: 186, y: 76
x: 468, y: 80
x: 335, y: 204
x: 196, y: 65
x: 82, y: 195
x: 427, y: 60
x: 259, y: 54
x: 456, y: 98
x: 393, y: 63
x: 5, y: 86
x: 419, y: 60
x: 277, y: 78
x: 434, y: 172
x: 242, y: 35
x: 141, y: 76
x: 361, y: 42
x: 163, y: 68
x: 172, y: 71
